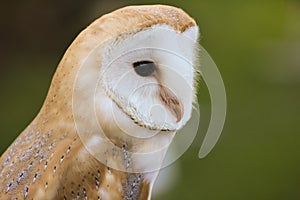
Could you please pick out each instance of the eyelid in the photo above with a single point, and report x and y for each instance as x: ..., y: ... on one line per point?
x: 135, y: 64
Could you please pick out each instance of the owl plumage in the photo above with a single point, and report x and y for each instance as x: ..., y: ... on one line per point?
x: 50, y: 160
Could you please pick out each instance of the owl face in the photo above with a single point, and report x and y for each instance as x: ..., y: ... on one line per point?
x: 149, y: 75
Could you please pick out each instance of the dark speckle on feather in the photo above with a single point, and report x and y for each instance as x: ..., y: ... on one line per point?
x: 132, y: 187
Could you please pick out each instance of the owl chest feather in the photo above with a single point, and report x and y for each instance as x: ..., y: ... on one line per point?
x: 63, y: 169
x: 87, y: 178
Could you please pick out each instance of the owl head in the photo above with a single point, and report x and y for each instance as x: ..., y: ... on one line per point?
x: 131, y: 74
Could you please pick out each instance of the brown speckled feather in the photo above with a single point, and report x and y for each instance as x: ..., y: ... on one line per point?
x: 48, y: 160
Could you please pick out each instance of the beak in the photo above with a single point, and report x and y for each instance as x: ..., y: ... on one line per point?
x: 172, y: 103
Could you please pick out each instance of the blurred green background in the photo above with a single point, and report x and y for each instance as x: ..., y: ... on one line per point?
x: 256, y: 45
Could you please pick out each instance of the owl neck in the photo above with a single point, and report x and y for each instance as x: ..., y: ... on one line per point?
x: 125, y: 175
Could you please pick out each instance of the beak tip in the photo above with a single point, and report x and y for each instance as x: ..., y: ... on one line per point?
x: 179, y: 113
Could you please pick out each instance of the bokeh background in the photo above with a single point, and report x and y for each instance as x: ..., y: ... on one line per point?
x: 256, y: 45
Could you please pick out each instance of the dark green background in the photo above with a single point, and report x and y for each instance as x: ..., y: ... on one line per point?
x: 256, y: 45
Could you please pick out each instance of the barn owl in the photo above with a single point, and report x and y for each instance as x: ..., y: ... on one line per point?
x: 121, y: 91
